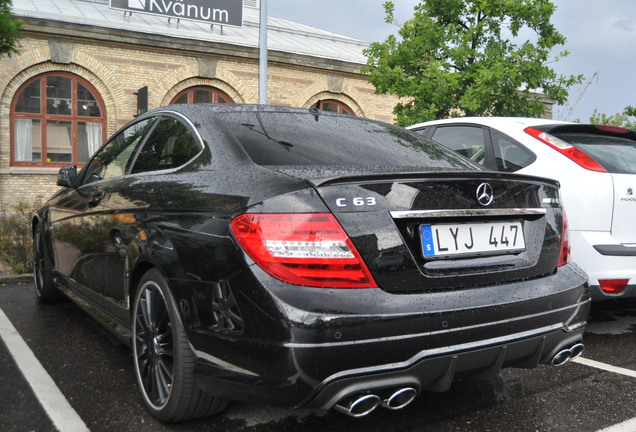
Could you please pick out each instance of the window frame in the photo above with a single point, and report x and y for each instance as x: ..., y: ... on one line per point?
x: 189, y: 92
x: 188, y: 126
x: 342, y: 108
x: 43, y: 117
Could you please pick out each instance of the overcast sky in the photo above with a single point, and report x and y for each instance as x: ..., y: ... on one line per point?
x: 601, y: 37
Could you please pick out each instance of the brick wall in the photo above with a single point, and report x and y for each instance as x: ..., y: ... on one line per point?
x: 118, y: 70
x: 28, y: 188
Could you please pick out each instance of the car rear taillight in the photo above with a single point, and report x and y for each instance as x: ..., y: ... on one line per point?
x: 309, y: 249
x: 613, y: 286
x: 564, y: 255
x: 565, y: 149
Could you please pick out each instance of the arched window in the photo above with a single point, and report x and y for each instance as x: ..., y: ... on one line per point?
x: 56, y: 118
x: 333, y: 105
x: 201, y: 94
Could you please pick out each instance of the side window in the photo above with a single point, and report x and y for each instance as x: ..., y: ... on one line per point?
x: 510, y: 156
x: 113, y: 159
x: 422, y: 131
x: 465, y: 140
x: 170, y: 145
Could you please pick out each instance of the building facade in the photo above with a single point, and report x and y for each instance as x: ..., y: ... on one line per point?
x: 84, y: 70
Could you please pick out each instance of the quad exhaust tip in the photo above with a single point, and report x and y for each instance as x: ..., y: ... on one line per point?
x: 400, y: 398
x: 567, y: 354
x: 358, y: 406
x: 364, y: 404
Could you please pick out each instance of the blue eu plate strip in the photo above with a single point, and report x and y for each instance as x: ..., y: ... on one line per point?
x: 427, y: 240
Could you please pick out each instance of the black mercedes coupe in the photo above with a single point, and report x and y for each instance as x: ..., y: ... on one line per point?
x: 307, y: 259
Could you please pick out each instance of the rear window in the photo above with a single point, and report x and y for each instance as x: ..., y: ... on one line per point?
x: 615, y: 154
x: 292, y: 139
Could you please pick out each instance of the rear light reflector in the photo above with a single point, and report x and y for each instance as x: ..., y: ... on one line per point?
x: 309, y: 249
x: 564, y: 255
x: 565, y: 149
x: 613, y: 286
x: 613, y: 129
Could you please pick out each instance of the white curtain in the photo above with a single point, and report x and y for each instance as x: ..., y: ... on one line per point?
x: 93, y: 137
x: 24, y: 140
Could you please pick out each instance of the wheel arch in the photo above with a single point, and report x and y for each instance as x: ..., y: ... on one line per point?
x: 136, y: 273
x: 141, y: 266
x: 40, y: 219
x: 36, y: 220
x: 141, y: 257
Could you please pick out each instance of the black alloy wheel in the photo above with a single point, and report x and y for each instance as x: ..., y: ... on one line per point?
x: 164, y: 361
x: 45, y: 287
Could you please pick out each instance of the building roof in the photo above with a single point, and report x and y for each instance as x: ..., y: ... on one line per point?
x: 282, y: 35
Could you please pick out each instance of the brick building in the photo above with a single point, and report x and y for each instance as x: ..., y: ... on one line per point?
x: 82, y: 67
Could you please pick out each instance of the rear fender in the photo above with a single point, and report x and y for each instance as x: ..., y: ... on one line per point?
x: 150, y: 249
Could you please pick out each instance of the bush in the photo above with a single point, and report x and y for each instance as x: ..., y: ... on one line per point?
x: 16, y: 240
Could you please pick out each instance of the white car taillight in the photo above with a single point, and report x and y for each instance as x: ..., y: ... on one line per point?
x: 309, y: 249
x: 566, y: 149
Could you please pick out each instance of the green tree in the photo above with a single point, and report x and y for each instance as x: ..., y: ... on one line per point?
x: 618, y: 119
x: 9, y: 29
x: 469, y: 57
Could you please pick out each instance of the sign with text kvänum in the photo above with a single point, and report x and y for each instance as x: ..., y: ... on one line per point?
x: 224, y: 12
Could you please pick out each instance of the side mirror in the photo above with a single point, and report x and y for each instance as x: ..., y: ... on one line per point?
x: 67, y: 176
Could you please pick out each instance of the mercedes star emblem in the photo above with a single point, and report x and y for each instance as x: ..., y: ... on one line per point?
x: 485, y: 194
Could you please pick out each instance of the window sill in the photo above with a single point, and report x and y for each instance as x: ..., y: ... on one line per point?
x: 30, y: 170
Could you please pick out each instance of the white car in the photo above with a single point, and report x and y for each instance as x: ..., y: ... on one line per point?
x: 596, y: 166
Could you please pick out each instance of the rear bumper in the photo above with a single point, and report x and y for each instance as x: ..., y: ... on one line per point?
x: 342, y: 342
x: 603, y: 258
x: 436, y: 369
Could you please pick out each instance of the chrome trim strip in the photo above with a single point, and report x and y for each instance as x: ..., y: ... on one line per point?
x: 215, y: 361
x: 403, y: 214
x: 574, y: 327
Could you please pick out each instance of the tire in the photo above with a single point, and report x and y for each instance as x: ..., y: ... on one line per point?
x: 164, y: 361
x: 45, y: 287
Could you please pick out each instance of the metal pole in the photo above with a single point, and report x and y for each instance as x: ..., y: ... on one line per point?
x: 262, y: 55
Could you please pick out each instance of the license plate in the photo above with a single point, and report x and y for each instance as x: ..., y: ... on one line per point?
x: 484, y: 238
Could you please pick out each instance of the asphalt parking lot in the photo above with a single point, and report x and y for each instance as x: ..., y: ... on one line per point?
x: 60, y: 370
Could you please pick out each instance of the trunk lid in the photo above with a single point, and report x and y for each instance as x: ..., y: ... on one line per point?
x: 614, y: 150
x: 516, y: 222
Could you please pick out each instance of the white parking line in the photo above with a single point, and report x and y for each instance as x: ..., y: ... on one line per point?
x: 51, y: 398
x: 605, y: 367
x: 628, y: 425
